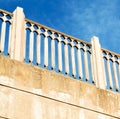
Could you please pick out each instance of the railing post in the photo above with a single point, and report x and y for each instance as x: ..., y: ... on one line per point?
x: 98, y: 71
x: 17, y: 44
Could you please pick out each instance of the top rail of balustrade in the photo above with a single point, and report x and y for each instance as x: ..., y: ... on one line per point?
x: 6, y: 12
x: 110, y: 52
x: 58, y: 32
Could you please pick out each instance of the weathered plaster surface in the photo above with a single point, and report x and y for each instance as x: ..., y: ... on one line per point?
x: 28, y: 92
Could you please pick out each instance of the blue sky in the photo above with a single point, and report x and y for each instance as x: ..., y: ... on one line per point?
x: 79, y: 18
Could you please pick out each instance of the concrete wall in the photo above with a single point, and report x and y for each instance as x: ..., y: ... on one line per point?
x: 29, y: 92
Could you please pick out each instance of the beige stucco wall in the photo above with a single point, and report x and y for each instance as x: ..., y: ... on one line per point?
x: 28, y: 92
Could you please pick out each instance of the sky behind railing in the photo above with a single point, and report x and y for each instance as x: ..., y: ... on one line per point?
x: 79, y: 18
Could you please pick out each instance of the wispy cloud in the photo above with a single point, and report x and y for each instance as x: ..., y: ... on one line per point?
x: 99, y: 18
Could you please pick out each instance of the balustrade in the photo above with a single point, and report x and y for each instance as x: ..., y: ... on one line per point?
x: 112, y: 69
x: 28, y: 41
x: 83, y: 66
x: 5, y: 32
